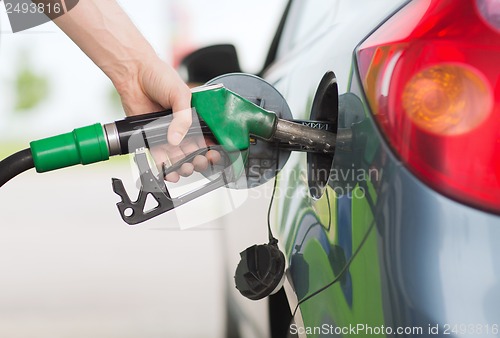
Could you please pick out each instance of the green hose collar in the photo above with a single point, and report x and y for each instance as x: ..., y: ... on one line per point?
x: 82, y: 146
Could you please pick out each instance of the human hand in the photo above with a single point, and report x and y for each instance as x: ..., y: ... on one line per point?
x: 166, y: 155
x: 157, y: 87
x: 145, y: 83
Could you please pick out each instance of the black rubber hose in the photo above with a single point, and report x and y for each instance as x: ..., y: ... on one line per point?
x: 15, y: 165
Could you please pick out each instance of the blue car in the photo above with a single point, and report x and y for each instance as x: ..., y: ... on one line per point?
x: 396, y: 234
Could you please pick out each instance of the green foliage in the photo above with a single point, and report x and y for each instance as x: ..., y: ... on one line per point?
x: 31, y: 88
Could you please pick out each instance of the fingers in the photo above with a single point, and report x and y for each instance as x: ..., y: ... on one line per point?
x: 166, y: 155
x: 200, y: 162
x: 169, y: 154
x: 186, y: 169
x: 179, y: 126
x: 180, y: 97
x: 173, y: 177
x: 213, y: 156
x: 162, y: 85
x: 159, y: 85
x: 181, y: 106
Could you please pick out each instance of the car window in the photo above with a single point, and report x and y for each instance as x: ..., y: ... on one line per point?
x: 307, y: 18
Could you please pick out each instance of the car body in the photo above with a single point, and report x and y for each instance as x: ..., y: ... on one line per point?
x: 399, y: 239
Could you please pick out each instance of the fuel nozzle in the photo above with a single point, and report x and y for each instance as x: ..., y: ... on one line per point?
x: 230, y: 119
x: 305, y: 136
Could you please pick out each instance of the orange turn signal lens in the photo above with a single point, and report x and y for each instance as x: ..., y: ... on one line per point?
x: 447, y: 99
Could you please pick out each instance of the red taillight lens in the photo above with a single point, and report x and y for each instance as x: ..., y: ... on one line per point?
x: 490, y: 11
x: 431, y: 75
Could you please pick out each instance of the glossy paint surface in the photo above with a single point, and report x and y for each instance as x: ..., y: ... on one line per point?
x: 379, y: 247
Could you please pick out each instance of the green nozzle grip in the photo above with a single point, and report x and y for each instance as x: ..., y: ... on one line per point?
x: 232, y: 118
x: 82, y: 146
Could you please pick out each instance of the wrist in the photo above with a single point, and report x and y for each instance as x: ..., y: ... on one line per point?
x: 128, y: 79
x: 126, y: 74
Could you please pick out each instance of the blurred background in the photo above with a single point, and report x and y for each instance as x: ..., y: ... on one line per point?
x: 69, y: 265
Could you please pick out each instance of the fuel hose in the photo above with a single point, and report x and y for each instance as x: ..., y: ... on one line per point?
x: 15, y: 165
x: 90, y: 144
x: 223, y: 115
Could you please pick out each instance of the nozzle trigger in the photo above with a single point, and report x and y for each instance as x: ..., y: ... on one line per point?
x: 133, y: 212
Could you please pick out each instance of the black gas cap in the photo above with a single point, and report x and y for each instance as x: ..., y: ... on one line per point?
x: 260, y: 272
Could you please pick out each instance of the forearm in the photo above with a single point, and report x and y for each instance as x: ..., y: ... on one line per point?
x: 145, y: 83
x: 106, y: 34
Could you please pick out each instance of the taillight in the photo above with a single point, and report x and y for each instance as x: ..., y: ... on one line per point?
x: 431, y: 75
x: 490, y: 11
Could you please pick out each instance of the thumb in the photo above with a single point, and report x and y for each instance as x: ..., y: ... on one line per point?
x: 164, y: 86
x: 180, y: 99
